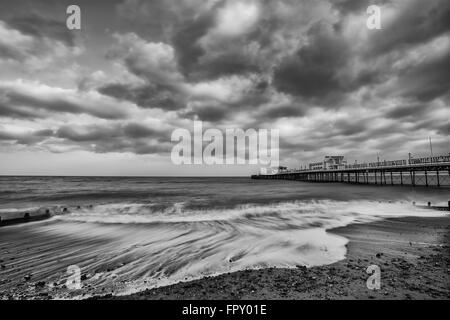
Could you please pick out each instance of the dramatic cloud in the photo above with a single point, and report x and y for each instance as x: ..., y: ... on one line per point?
x: 312, y: 69
x: 31, y: 51
x: 410, y: 23
x: 315, y: 69
x: 40, y: 27
x: 33, y: 100
x: 131, y: 137
x: 25, y: 138
x: 13, y: 44
x: 154, y: 61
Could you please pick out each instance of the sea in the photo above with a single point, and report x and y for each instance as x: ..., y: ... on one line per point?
x: 126, y: 234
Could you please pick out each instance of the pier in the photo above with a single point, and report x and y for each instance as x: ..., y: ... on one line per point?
x: 428, y: 172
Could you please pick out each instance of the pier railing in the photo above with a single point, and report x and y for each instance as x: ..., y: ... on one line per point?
x: 414, y: 172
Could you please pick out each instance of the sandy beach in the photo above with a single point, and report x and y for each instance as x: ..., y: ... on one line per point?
x: 412, y: 253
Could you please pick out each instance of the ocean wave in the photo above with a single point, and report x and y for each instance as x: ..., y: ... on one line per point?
x: 293, y: 214
x: 143, y: 245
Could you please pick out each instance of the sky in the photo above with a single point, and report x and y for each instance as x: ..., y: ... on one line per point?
x: 105, y: 99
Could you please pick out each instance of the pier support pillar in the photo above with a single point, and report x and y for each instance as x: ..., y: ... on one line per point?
x: 437, y: 177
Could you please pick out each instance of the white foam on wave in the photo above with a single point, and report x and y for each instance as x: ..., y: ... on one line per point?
x: 164, y: 246
x: 333, y: 213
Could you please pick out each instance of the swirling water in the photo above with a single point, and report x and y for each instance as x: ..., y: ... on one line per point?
x: 128, y: 233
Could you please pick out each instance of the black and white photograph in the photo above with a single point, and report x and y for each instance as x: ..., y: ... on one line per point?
x: 224, y: 150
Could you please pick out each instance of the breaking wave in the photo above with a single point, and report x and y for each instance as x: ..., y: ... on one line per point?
x: 146, y: 245
x: 321, y: 213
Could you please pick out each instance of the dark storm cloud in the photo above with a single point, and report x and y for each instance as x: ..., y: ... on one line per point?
x: 132, y: 146
x: 225, y: 64
x: 322, y: 69
x: 210, y: 107
x: 150, y: 18
x: 17, y: 98
x: 11, y: 53
x: 313, y: 70
x: 144, y: 96
x: 40, y: 27
x: 207, y: 113
x: 13, y: 45
x: 185, y: 40
x: 437, y: 125
x: 381, y: 129
x: 131, y: 137
x: 356, y: 6
x: 87, y: 133
x: 94, y: 133
x: 348, y: 127
x: 183, y: 25
x: 31, y: 101
x: 427, y: 80
x: 444, y: 128
x: 7, y: 110
x: 34, y: 30
x: 303, y: 146
x: 28, y: 138
x: 310, y: 65
x: 408, y: 112
x: 416, y: 22
x: 284, y: 111
x: 350, y: 5
x: 153, y: 62
x: 165, y: 87
x: 137, y: 130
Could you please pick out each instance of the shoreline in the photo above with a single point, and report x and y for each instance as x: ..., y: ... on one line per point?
x: 412, y: 253
x: 44, y: 213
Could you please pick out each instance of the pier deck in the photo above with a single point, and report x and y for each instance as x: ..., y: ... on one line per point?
x: 427, y: 174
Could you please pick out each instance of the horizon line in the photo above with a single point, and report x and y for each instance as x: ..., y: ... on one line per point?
x: 121, y: 176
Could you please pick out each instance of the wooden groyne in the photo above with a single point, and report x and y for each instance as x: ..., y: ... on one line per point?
x: 422, y: 174
x: 31, y: 215
x: 24, y: 219
x: 439, y: 208
x: 18, y: 217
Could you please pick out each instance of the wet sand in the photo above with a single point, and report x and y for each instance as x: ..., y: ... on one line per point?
x: 412, y: 253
